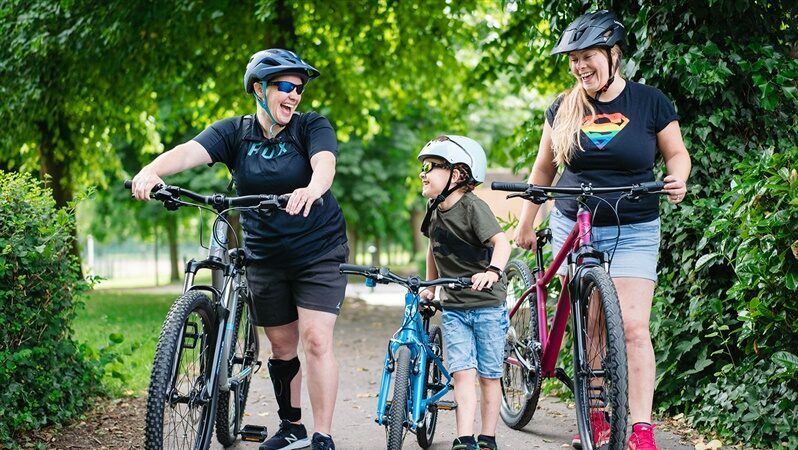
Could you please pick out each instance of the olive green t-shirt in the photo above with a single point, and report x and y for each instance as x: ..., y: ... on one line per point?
x: 460, y: 239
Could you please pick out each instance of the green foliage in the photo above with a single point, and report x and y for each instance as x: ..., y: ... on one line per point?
x: 44, y: 377
x: 728, y: 275
x: 120, y: 331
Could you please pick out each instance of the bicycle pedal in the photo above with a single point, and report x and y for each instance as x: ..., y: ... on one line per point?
x: 446, y: 405
x: 253, y: 433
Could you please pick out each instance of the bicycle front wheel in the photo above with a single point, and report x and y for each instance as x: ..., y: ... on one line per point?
x: 244, y: 351
x: 397, y: 414
x: 600, y: 371
x: 522, y: 378
x: 432, y: 384
x: 178, y: 408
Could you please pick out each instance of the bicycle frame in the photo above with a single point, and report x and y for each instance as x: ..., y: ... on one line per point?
x: 579, y: 252
x: 226, y: 274
x: 413, y: 335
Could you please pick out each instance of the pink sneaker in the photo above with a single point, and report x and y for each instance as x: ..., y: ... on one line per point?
x: 642, y: 437
x: 601, y: 430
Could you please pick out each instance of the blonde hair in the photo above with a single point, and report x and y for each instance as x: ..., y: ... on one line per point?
x: 574, y: 104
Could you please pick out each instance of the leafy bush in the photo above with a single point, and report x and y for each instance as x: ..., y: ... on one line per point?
x: 44, y: 377
x: 725, y: 322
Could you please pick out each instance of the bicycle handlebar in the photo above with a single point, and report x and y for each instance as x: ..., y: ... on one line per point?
x: 540, y: 194
x: 166, y: 193
x: 383, y: 275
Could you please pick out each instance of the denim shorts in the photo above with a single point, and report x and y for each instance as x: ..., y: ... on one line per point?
x: 474, y: 339
x: 636, y: 253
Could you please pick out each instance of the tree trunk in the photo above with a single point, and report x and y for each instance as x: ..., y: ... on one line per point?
x: 351, y: 234
x: 281, y: 33
x: 416, y: 217
x: 55, y: 169
x: 172, y: 227
x: 234, y: 235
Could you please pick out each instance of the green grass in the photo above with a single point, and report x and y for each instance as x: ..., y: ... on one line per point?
x: 136, y: 319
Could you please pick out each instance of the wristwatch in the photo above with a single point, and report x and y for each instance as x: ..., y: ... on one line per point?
x: 496, y: 270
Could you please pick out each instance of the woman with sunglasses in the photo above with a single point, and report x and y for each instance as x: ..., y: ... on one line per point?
x: 293, y: 258
x: 608, y: 131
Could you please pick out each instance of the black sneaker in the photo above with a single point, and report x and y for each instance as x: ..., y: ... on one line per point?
x: 290, y: 436
x: 465, y: 443
x: 486, y: 442
x: 322, y: 442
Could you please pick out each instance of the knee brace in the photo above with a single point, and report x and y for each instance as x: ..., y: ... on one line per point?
x: 281, y: 373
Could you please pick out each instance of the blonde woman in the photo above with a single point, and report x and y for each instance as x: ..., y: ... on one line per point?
x: 609, y: 131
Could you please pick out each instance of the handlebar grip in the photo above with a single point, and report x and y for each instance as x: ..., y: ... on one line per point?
x: 465, y: 281
x: 511, y: 187
x: 343, y: 268
x: 283, y: 201
x: 128, y: 184
x: 651, y: 186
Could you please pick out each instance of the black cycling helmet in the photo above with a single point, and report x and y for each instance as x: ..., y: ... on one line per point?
x: 267, y: 64
x: 596, y: 29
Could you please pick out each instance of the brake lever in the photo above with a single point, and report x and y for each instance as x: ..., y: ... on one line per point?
x: 170, y: 201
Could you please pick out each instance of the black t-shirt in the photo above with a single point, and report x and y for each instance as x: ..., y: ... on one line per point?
x: 278, y: 166
x: 620, y: 146
x: 460, y: 240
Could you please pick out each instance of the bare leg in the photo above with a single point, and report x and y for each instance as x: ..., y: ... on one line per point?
x: 316, y: 331
x: 466, y: 397
x: 636, y: 295
x: 489, y: 405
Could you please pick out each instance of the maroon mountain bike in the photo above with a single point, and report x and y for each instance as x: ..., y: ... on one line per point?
x: 599, y: 382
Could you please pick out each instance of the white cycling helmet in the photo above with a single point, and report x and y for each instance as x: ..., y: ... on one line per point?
x: 458, y: 150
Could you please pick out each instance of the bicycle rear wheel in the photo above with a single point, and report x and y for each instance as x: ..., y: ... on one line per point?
x: 600, y: 370
x: 522, y: 378
x: 178, y: 410
x: 432, y: 384
x: 243, y: 355
x: 397, y: 414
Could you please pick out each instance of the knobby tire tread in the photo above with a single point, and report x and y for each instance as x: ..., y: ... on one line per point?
x: 397, y: 414
x: 616, y: 362
x: 167, y: 350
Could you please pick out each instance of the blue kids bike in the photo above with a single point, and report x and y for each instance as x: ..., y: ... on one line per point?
x: 414, y: 361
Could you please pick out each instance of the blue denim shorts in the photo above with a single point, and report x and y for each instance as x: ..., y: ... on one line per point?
x: 474, y: 338
x: 637, y: 251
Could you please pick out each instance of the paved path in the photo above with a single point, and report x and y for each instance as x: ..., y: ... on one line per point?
x: 361, y: 336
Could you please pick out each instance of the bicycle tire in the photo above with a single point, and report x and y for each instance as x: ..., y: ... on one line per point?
x: 180, y: 371
x: 432, y: 383
x: 243, y: 353
x: 397, y: 414
x: 600, y: 366
x: 521, y: 387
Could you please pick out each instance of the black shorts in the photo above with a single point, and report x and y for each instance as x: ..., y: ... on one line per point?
x: 317, y: 285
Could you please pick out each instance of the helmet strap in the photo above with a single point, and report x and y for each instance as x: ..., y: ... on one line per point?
x: 265, y: 107
x: 612, y: 75
x: 438, y: 200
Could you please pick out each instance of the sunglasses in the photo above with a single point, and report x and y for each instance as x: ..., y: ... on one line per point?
x: 287, y: 86
x: 428, y: 166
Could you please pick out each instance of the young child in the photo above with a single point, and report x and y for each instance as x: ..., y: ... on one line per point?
x: 466, y: 240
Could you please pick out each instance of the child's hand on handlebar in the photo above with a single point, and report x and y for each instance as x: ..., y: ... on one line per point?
x: 483, y: 280
x: 427, y: 294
